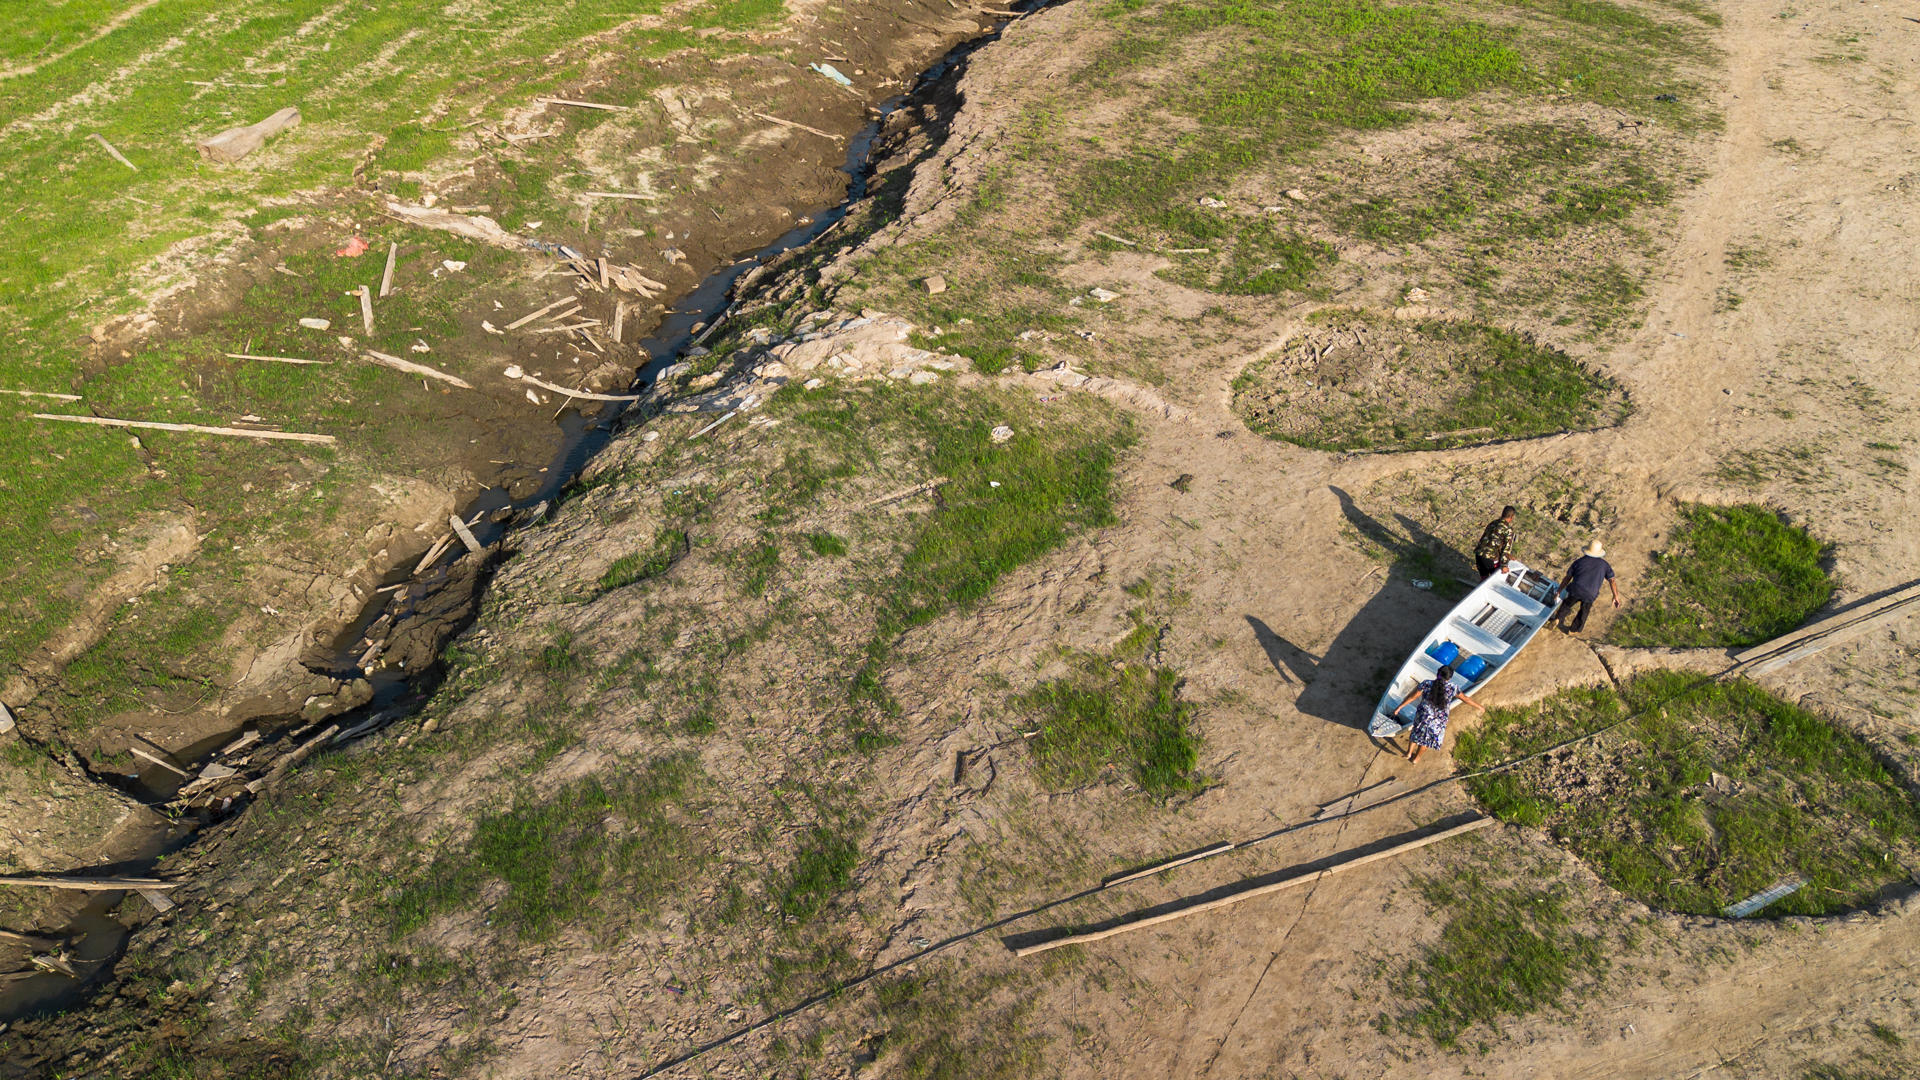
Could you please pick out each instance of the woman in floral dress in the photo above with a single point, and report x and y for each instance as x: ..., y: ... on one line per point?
x: 1436, y: 696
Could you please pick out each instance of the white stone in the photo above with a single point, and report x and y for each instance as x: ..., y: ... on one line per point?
x: 1105, y: 296
x: 317, y: 324
x: 922, y: 378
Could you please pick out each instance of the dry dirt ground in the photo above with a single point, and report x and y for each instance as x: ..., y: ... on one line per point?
x: 1775, y: 344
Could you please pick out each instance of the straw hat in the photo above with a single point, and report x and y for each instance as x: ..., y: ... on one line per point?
x: 1594, y: 549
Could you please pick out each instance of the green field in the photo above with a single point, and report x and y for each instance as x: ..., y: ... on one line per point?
x: 392, y: 95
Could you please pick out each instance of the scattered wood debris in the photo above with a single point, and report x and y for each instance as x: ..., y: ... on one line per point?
x: 117, y: 155
x: 199, y: 429
x: 412, y: 368
x: 532, y: 315
x: 366, y: 307
x: 619, y: 195
x: 235, y: 143
x: 580, y: 394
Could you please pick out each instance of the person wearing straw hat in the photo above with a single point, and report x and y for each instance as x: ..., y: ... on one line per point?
x: 1582, y: 587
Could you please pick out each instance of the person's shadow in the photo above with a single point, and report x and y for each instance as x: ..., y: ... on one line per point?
x: 1343, y: 683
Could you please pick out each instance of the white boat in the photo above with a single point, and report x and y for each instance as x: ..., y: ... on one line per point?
x: 1479, y: 637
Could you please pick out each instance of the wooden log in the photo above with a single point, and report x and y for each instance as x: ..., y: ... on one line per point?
x: 411, y: 368
x: 117, y: 155
x: 584, y: 104
x: 235, y: 143
x: 484, y: 229
x: 532, y: 315
x: 366, y: 307
x: 89, y: 884
x: 386, y: 279
x: 198, y: 429
x: 1259, y: 890
x: 466, y: 535
x: 274, y: 359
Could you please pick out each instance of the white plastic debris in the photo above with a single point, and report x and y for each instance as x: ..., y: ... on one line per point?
x: 650, y: 436
x: 1105, y: 296
x: 420, y: 346
x: 813, y: 384
x: 490, y: 328
x: 513, y: 371
x: 993, y: 483
x: 453, y: 266
x: 1001, y: 434
x: 1212, y: 203
x: 317, y: 324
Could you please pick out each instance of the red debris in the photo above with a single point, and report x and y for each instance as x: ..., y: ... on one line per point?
x: 355, y: 247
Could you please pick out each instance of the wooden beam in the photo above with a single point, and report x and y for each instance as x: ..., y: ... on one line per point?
x: 42, y: 393
x: 581, y: 394
x: 465, y: 534
x: 618, y: 195
x: 199, y: 429
x: 142, y: 752
x: 1258, y: 890
x: 366, y: 307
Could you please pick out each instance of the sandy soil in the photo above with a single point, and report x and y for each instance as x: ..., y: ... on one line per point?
x: 1283, y: 626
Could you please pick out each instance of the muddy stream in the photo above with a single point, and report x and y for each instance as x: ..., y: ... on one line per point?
x: 96, y: 937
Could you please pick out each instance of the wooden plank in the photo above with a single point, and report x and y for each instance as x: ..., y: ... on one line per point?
x: 162, y: 903
x: 90, y: 884
x: 532, y: 315
x: 438, y: 549
x: 42, y: 393
x: 1865, y: 610
x: 275, y: 359
x: 1837, y: 636
x: 1259, y: 890
x: 584, y: 104
x: 198, y: 429
x: 411, y: 368
x: 713, y: 425
x: 603, y: 273
x: 799, y: 127
x: 366, y: 307
x: 914, y: 490
x: 386, y: 279
x: 619, y: 320
x: 300, y: 754
x: 581, y: 394
x: 618, y: 195
x: 142, y: 752
x: 117, y: 155
x: 465, y: 534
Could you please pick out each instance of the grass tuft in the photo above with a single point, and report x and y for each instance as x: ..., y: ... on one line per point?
x: 1734, y: 575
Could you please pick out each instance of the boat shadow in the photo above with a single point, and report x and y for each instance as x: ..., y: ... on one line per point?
x: 1341, y: 685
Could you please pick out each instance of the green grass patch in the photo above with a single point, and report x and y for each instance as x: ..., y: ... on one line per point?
x: 669, y: 547
x: 1118, y: 711
x: 826, y: 544
x: 1732, y: 576
x: 1506, y: 949
x: 822, y: 870
x: 1709, y: 793
x: 607, y: 846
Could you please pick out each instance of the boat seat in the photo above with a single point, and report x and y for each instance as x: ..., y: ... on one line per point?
x: 1527, y: 604
x: 1481, y: 640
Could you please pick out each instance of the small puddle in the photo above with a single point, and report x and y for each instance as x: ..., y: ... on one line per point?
x: 95, y: 938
